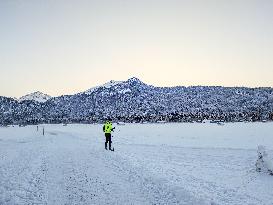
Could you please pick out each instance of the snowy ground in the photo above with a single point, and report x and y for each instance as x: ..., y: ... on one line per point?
x: 152, y: 164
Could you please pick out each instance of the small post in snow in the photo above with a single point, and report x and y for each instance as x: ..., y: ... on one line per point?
x: 43, y: 131
x: 37, y: 128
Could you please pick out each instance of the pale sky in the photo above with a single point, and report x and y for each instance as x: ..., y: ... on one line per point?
x: 64, y: 47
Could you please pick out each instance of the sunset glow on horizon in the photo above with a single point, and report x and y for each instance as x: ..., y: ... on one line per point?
x: 64, y: 47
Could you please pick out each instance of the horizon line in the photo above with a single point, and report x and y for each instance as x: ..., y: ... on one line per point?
x: 186, y: 86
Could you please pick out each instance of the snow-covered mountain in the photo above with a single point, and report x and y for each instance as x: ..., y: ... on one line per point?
x: 106, y: 85
x: 135, y: 101
x: 36, y: 96
x: 118, y: 86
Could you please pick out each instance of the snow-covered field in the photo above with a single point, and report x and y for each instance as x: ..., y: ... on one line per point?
x: 177, y: 163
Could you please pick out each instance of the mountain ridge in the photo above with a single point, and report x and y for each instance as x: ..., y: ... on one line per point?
x: 133, y: 80
x: 134, y: 101
x: 35, y: 96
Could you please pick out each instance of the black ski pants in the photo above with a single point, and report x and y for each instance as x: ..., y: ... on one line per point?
x: 108, y: 139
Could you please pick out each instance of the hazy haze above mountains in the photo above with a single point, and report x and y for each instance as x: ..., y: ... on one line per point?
x: 63, y: 47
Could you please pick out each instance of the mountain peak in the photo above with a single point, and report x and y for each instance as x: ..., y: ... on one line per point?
x: 134, y: 80
x: 131, y: 81
x: 35, y: 96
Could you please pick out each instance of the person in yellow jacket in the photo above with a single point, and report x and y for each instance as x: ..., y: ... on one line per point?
x: 107, y: 129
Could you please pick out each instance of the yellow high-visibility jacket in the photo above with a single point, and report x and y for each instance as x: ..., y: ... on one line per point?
x: 107, y: 127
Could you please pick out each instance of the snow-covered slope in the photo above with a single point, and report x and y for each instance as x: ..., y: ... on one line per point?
x: 119, y: 86
x: 135, y: 101
x: 172, y: 163
x: 106, y: 85
x: 36, y: 96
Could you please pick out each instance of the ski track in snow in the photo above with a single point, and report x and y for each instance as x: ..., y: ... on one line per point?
x: 69, y: 166
x: 61, y: 169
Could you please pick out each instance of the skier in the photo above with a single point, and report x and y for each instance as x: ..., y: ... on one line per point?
x: 107, y: 129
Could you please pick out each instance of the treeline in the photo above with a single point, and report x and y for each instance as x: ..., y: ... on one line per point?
x: 169, y: 117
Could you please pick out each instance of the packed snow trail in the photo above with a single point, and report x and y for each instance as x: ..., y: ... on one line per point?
x: 67, y: 168
x: 176, y: 163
